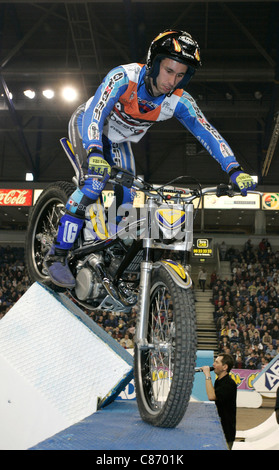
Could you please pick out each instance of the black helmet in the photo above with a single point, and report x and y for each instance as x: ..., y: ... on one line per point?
x: 177, y: 45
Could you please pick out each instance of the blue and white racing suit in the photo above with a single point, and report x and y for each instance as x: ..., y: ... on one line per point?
x: 121, y: 112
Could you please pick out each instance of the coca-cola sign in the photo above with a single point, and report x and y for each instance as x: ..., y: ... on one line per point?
x: 16, y: 197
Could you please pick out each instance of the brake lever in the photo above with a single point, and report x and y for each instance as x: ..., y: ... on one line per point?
x: 224, y: 190
x: 122, y: 176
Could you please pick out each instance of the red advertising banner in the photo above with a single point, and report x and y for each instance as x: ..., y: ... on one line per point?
x: 16, y: 197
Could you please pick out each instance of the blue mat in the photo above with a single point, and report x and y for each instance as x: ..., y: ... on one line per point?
x: 119, y: 427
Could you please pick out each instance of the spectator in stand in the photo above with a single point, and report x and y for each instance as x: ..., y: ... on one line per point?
x: 270, y: 350
x: 111, y: 321
x: 266, y: 339
x: 252, y: 361
x: 238, y: 359
x: 264, y: 249
x: 275, y: 315
x: 219, y: 301
x: 264, y: 362
x: 248, y: 249
x: 229, y: 309
x: 253, y: 289
x: 213, y: 279
x: 223, y: 251
x: 274, y: 333
x: 269, y: 324
x: 127, y: 341
x: 251, y: 329
x: 219, y: 313
x: 256, y: 340
x: 262, y: 296
x: 248, y: 308
x: 225, y: 331
x: 221, y: 322
x: 224, y: 344
x: 215, y: 290
x: 233, y: 329
x: 234, y: 338
x: 202, y: 276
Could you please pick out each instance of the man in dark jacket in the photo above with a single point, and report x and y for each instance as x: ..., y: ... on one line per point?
x: 223, y: 392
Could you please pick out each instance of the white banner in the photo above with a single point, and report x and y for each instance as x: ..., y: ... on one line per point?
x: 252, y: 201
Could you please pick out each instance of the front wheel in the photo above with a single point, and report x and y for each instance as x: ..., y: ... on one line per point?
x: 164, y: 370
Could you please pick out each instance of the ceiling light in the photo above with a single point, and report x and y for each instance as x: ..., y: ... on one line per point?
x: 29, y: 177
x: 49, y: 94
x: 258, y: 95
x: 229, y: 96
x: 10, y: 95
x: 69, y: 94
x: 29, y: 94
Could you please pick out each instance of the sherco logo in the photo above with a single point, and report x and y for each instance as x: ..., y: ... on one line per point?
x: 16, y: 197
x: 272, y: 375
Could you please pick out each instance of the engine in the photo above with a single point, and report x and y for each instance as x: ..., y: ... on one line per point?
x: 94, y: 286
x: 88, y: 286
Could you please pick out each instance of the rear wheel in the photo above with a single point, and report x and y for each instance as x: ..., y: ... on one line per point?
x: 42, y: 228
x: 164, y: 371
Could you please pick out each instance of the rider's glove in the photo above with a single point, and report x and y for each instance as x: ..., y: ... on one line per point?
x: 97, y: 165
x: 244, y: 181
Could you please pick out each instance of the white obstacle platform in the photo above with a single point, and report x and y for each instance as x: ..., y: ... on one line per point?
x: 266, y: 435
x: 56, y: 367
x: 263, y: 437
x: 248, y: 399
x: 269, y: 426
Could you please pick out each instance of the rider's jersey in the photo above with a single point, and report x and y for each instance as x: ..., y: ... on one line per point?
x: 123, y: 110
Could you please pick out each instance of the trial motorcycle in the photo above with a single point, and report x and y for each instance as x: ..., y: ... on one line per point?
x: 144, y: 264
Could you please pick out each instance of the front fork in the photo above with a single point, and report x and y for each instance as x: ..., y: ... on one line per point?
x: 144, y: 294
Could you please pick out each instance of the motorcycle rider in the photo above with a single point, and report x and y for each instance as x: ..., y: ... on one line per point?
x: 130, y: 99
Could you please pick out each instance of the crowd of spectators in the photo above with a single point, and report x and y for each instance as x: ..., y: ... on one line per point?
x: 14, y: 282
x: 120, y: 326
x: 14, y: 279
x: 246, y: 305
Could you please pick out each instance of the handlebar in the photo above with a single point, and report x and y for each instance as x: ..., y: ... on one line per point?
x: 187, y: 194
x: 125, y: 178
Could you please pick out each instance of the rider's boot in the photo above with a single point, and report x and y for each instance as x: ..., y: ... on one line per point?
x: 56, y: 259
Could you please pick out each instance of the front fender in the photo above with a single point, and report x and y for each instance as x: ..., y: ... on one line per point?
x: 180, y: 276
